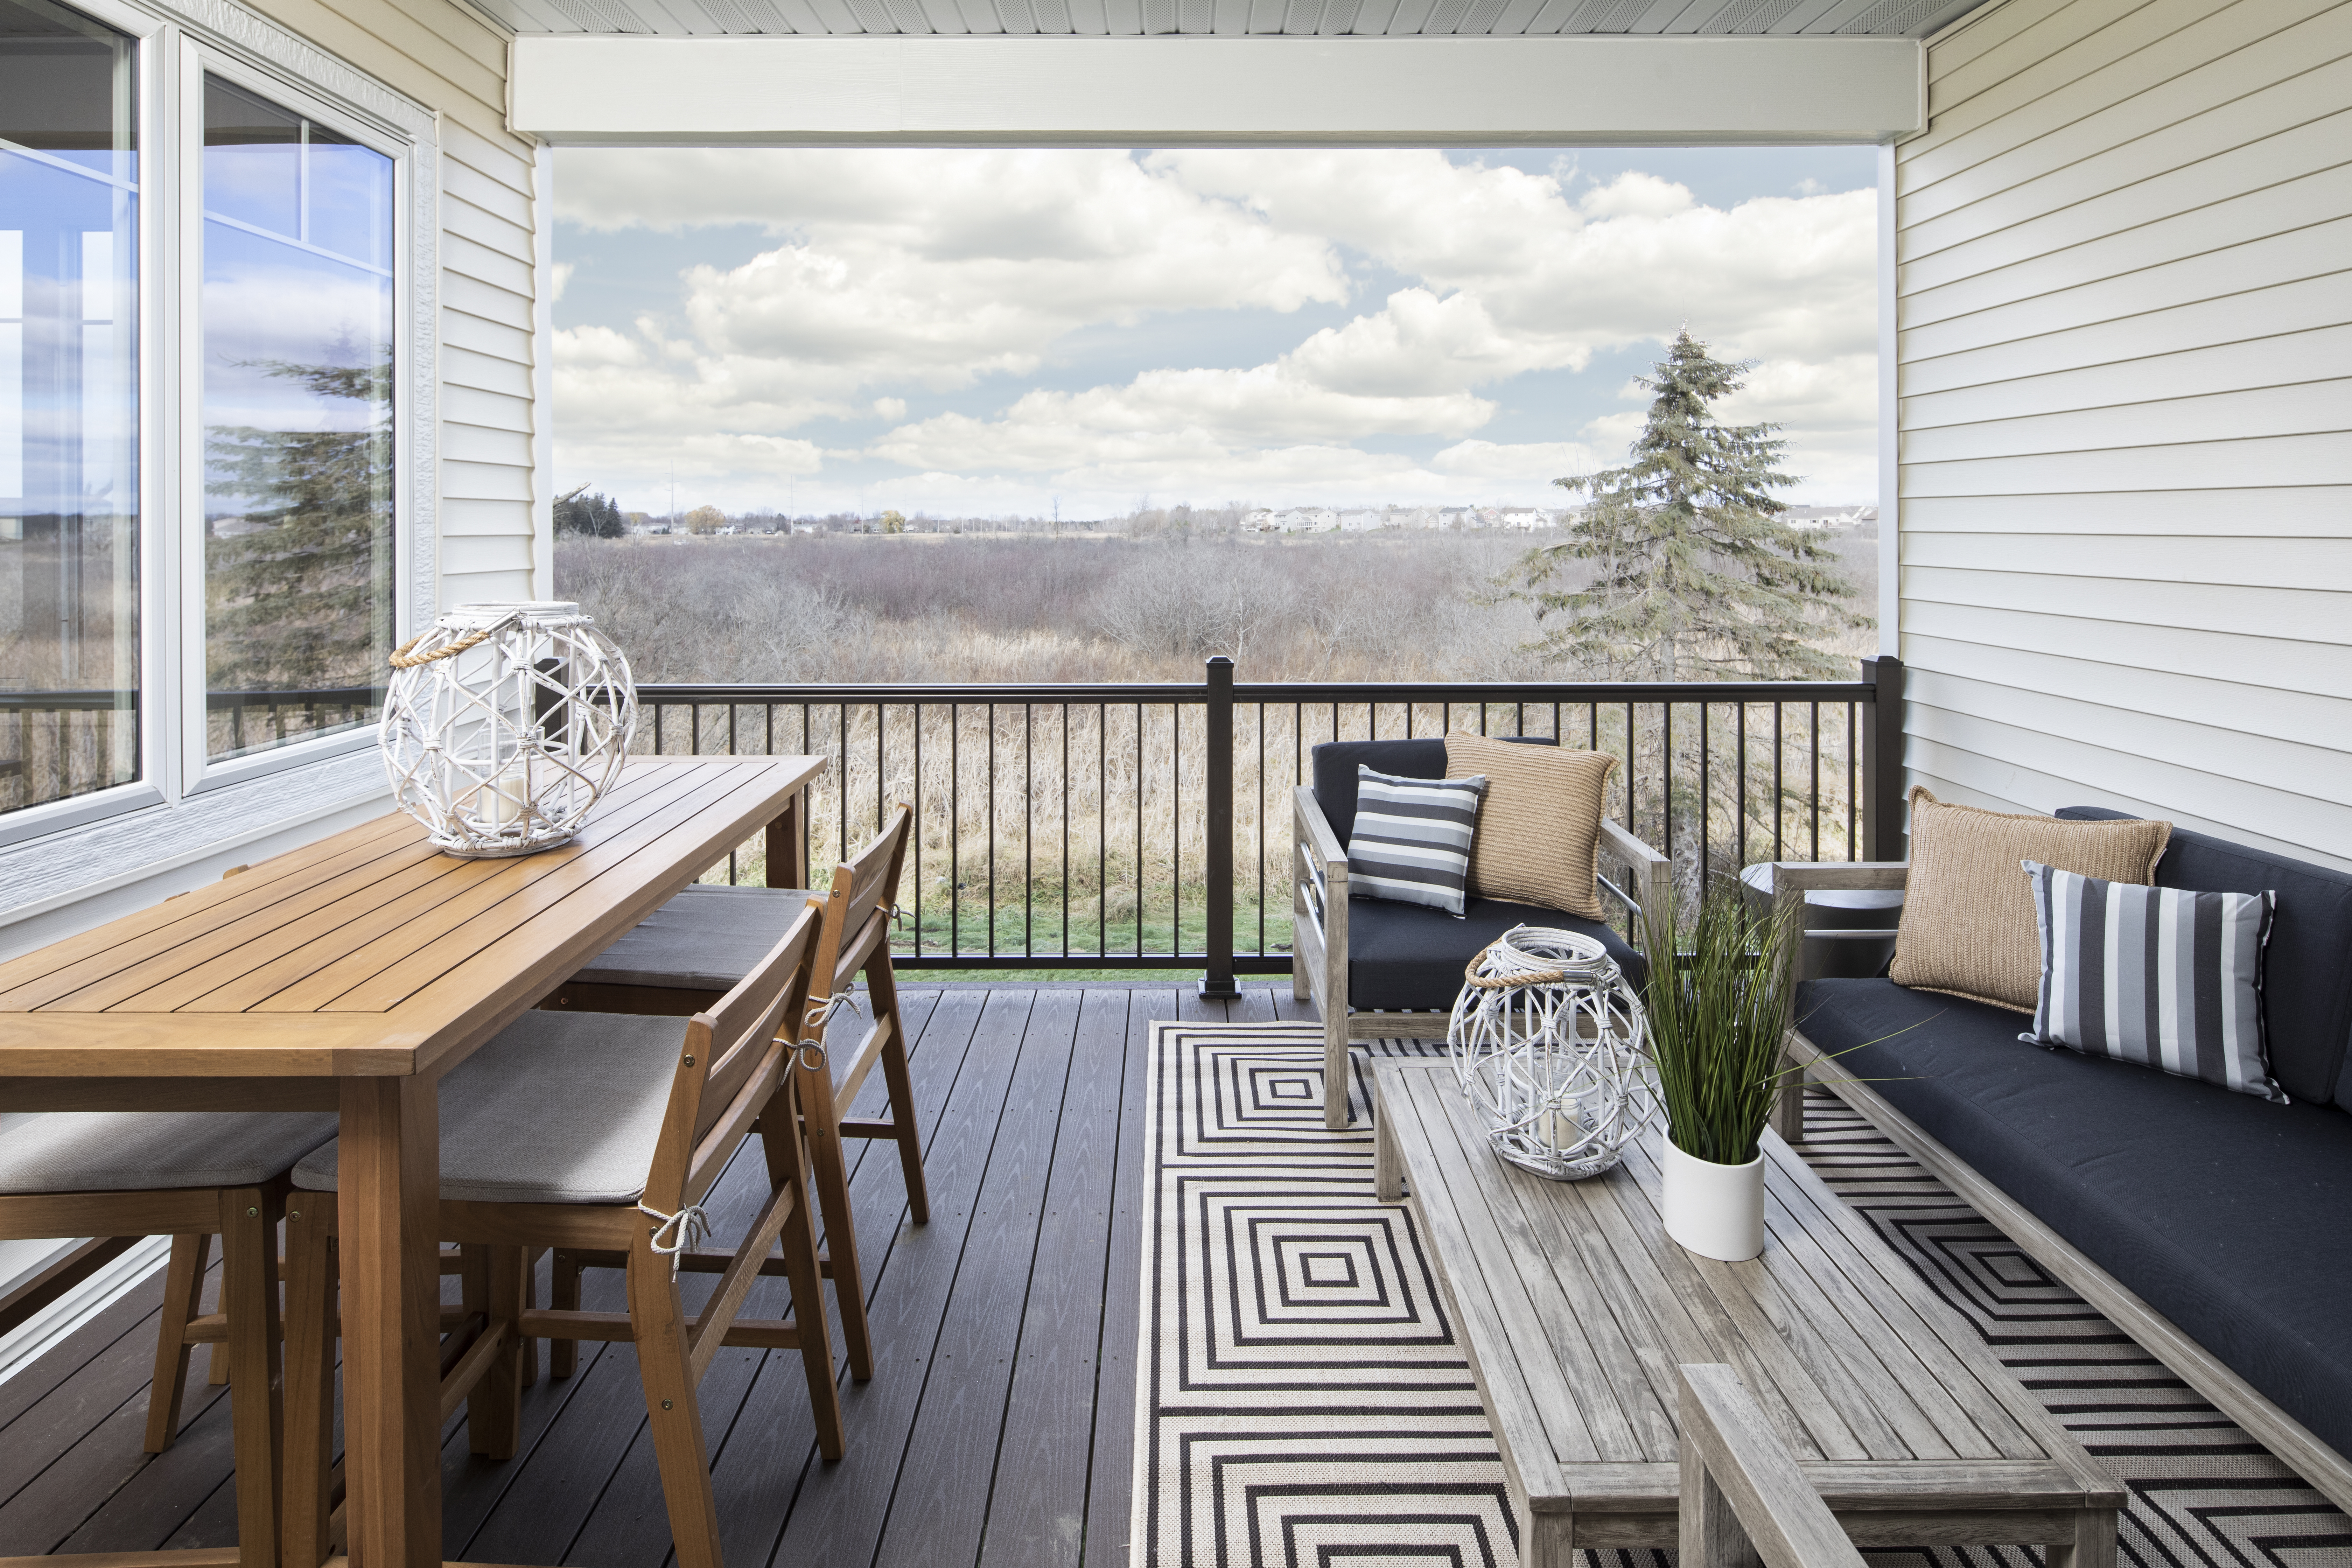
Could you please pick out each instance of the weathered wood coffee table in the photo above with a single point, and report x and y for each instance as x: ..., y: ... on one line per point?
x: 1575, y: 1309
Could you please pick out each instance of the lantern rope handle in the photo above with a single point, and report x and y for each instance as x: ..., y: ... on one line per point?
x: 401, y: 660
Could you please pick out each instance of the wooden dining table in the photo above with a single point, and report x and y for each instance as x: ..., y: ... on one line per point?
x: 350, y: 975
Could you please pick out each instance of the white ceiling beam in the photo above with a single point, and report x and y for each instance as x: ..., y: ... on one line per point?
x: 577, y: 89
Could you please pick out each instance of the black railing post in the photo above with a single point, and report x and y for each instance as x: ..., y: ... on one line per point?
x: 1218, y: 979
x: 1881, y: 758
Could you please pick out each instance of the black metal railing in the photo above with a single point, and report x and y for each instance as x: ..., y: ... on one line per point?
x: 1147, y: 825
x: 56, y: 744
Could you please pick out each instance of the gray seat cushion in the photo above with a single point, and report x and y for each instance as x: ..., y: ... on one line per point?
x: 706, y: 938
x: 152, y: 1151
x: 2224, y: 1212
x: 561, y: 1108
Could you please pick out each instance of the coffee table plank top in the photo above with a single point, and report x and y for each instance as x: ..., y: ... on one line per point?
x: 1576, y: 1309
x: 370, y: 952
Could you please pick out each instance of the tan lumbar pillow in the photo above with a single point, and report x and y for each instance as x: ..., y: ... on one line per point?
x: 1539, y: 837
x: 1969, y: 926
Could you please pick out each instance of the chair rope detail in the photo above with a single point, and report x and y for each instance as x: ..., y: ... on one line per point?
x: 687, y: 1229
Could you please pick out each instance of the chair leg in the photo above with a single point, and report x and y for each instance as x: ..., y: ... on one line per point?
x: 822, y: 1118
x: 882, y: 988
x: 780, y: 1143
x: 563, y: 1296
x: 183, y: 1289
x: 658, y: 1323
x: 529, y: 1351
x: 1334, y: 1066
x: 309, y: 1379
x: 249, y: 1297
x: 494, y: 1408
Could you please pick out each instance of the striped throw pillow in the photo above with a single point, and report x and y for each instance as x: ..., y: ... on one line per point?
x: 1412, y: 838
x: 2160, y: 976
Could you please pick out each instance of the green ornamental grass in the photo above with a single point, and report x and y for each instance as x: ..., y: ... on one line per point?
x: 1716, y: 1007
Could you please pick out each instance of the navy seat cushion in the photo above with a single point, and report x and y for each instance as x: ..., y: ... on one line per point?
x: 2307, y: 970
x: 1412, y: 956
x: 2224, y: 1212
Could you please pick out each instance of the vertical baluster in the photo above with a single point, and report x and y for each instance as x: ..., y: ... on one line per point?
x: 955, y: 830
x: 1814, y: 732
x: 992, y: 830
x: 1740, y: 720
x: 808, y: 817
x: 1705, y: 804
x: 1779, y: 752
x: 1666, y: 772
x: 1138, y: 831
x: 1028, y: 830
x: 1065, y: 830
x: 917, y: 832
x: 1102, y: 830
x: 1260, y: 843
x: 1853, y: 845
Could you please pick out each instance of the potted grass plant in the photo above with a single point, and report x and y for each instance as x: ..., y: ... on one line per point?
x: 1718, y: 1007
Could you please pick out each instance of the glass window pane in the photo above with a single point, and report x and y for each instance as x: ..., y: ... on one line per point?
x: 297, y: 333
x: 68, y: 410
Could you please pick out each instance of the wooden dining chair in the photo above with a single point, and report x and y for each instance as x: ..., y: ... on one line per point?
x: 855, y: 940
x: 192, y: 1173
x: 603, y: 1135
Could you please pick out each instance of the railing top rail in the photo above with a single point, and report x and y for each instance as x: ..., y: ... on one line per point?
x: 1387, y: 693
x: 98, y: 701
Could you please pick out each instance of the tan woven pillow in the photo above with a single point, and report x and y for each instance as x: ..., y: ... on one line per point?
x: 1540, y: 830
x: 1969, y: 928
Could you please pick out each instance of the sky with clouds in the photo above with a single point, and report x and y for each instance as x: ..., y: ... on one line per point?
x: 977, y: 333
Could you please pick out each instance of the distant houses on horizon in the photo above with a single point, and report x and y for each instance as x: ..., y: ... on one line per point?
x: 1520, y: 518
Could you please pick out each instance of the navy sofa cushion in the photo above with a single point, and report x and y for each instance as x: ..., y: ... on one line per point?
x: 1412, y: 956
x: 2224, y: 1212
x: 2307, y: 970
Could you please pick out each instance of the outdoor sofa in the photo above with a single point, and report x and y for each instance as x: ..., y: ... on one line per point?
x: 2215, y: 1227
x: 1381, y: 970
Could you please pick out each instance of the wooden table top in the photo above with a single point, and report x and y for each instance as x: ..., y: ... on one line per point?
x: 1577, y: 1308
x: 371, y: 953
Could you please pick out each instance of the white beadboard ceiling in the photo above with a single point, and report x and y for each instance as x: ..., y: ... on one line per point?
x: 1236, y: 18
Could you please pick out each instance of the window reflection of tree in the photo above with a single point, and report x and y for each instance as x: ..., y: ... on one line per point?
x: 298, y: 575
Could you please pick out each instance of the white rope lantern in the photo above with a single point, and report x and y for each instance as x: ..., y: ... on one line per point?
x: 504, y: 724
x: 1546, y: 1039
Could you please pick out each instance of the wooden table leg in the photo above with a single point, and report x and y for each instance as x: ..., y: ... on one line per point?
x: 388, y: 1218
x: 788, y: 844
x: 1388, y: 1165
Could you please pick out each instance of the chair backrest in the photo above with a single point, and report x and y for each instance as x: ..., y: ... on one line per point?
x: 864, y: 890
x: 731, y: 1062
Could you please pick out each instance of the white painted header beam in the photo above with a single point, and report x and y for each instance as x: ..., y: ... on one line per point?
x: 577, y: 89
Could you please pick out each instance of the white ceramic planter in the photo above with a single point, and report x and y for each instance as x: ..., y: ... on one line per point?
x: 1715, y: 1211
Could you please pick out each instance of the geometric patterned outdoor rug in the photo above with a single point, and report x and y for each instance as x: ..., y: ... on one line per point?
x: 1302, y: 1399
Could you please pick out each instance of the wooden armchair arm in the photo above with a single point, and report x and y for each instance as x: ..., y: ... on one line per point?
x: 1315, y: 836
x: 1652, y: 881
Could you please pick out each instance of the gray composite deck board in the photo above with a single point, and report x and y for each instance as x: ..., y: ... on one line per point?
x: 998, y: 1428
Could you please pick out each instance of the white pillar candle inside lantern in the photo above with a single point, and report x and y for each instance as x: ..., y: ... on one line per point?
x: 504, y: 724
x: 1546, y: 1039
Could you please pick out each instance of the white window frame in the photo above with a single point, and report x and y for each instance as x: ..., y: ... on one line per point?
x: 178, y: 42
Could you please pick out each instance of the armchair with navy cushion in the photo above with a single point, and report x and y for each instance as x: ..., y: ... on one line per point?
x: 1384, y: 970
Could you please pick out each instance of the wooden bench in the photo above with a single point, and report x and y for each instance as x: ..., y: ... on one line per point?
x: 1576, y: 1311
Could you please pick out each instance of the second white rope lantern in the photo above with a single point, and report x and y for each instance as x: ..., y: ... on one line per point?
x: 1546, y: 1039
x: 504, y: 724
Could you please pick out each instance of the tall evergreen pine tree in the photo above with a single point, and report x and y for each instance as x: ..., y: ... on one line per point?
x: 1695, y: 575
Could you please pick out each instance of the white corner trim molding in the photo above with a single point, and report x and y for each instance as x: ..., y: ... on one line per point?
x: 586, y: 91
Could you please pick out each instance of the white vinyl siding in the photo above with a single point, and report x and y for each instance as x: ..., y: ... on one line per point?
x: 493, y: 528
x: 2124, y: 353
